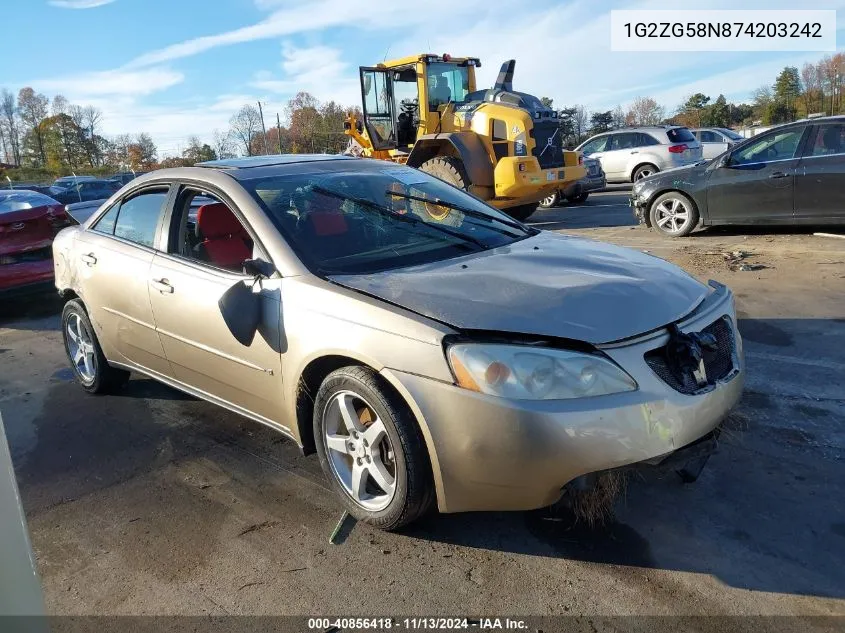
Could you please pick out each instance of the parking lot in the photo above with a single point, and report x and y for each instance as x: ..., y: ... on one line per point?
x: 152, y: 502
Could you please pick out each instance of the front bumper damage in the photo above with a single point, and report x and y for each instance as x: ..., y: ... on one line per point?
x: 490, y: 453
x: 639, y: 205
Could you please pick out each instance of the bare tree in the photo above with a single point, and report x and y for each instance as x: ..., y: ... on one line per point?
x: 579, y: 122
x: 645, y: 111
x: 222, y: 144
x: 245, y: 125
x: 618, y: 117
x: 9, y: 120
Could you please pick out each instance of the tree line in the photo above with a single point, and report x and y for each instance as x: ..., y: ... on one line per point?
x: 794, y: 94
x: 47, y: 137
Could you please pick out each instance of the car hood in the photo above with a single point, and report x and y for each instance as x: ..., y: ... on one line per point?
x: 547, y: 285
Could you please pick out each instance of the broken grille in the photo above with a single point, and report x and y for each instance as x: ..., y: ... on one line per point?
x: 718, y: 363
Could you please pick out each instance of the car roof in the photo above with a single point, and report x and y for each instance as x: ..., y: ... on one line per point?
x: 271, y: 160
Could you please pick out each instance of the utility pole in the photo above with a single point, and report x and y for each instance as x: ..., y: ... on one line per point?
x: 279, y: 131
x: 263, y: 129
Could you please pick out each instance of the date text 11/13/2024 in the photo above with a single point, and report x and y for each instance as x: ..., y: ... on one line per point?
x: 336, y: 625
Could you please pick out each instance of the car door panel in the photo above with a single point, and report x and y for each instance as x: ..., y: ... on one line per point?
x: 112, y: 284
x: 820, y: 177
x: 756, y: 185
x: 614, y: 161
x: 202, y: 351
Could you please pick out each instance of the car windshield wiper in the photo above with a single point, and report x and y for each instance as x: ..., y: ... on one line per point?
x: 470, y: 212
x: 402, y: 218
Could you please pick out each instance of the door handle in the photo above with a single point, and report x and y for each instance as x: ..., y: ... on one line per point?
x: 89, y: 259
x: 636, y: 151
x: 778, y: 174
x: 162, y: 285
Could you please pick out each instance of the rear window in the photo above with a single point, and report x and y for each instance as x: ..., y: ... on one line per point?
x: 19, y: 201
x: 679, y: 135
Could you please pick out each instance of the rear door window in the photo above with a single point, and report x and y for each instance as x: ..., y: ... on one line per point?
x: 710, y: 137
x: 827, y: 140
x: 138, y: 217
x: 644, y: 140
x: 679, y: 135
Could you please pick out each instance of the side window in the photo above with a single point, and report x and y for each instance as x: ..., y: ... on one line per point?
x: 597, y: 144
x: 644, y: 140
x: 710, y: 137
x: 780, y: 145
x: 106, y: 223
x: 625, y: 140
x: 204, y: 229
x: 828, y: 139
x: 138, y: 217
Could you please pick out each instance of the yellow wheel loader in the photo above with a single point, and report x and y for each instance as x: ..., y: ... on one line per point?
x: 503, y: 146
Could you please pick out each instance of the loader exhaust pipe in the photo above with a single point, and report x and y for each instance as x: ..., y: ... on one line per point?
x: 505, y: 79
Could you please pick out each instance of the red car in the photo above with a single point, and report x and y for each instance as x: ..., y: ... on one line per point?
x: 28, y: 223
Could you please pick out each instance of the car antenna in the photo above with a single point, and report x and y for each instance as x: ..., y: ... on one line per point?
x: 384, y: 59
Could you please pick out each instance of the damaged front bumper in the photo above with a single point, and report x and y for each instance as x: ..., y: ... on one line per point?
x: 491, y: 453
x: 639, y: 206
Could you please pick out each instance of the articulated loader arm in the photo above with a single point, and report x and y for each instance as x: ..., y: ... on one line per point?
x: 354, y: 128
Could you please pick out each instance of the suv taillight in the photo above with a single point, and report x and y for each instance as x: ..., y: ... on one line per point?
x: 678, y: 149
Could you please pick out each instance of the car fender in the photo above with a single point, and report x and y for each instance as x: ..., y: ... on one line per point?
x: 465, y: 145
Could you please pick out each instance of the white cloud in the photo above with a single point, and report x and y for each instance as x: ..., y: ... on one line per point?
x: 78, y: 4
x: 301, y: 17
x: 320, y: 70
x: 112, y: 82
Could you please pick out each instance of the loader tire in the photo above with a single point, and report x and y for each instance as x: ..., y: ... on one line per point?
x: 522, y: 212
x: 450, y: 170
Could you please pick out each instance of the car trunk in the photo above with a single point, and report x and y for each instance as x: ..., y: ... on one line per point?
x: 26, y: 235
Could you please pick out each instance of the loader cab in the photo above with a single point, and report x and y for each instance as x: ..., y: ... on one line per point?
x: 406, y: 98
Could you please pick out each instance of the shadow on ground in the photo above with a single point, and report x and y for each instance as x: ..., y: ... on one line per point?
x: 767, y: 514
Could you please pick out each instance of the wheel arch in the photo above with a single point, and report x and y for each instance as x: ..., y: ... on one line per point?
x: 313, y: 375
x: 466, y: 146
x: 653, y: 197
x: 641, y: 163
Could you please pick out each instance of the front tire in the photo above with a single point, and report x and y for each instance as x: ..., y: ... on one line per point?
x: 89, y: 365
x: 674, y: 214
x: 371, y: 449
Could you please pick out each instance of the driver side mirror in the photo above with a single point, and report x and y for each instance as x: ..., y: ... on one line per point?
x: 258, y: 268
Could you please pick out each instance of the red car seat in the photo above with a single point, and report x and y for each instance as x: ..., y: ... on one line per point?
x: 225, y: 242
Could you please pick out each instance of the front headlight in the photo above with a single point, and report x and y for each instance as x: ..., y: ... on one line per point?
x: 522, y: 372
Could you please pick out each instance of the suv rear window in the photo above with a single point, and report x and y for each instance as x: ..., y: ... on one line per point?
x: 679, y: 135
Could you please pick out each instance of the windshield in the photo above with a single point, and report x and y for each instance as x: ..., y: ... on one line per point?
x: 369, y: 220
x: 731, y: 134
x: 447, y: 82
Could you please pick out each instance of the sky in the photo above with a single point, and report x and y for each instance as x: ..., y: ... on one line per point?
x: 176, y: 68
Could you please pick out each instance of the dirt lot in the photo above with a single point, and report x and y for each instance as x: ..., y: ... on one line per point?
x: 152, y: 502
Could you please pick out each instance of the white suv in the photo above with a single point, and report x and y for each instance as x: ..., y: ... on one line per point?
x: 630, y: 154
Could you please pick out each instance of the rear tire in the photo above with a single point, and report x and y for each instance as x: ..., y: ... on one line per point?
x: 550, y: 201
x: 522, y: 212
x: 89, y: 365
x: 579, y: 198
x: 644, y: 171
x: 396, y: 454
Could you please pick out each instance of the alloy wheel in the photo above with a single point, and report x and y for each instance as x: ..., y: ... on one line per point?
x: 549, y: 201
x: 644, y: 173
x: 672, y: 215
x: 80, y: 346
x: 359, y: 451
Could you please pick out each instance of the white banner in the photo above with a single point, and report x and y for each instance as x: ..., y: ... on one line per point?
x: 720, y: 30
